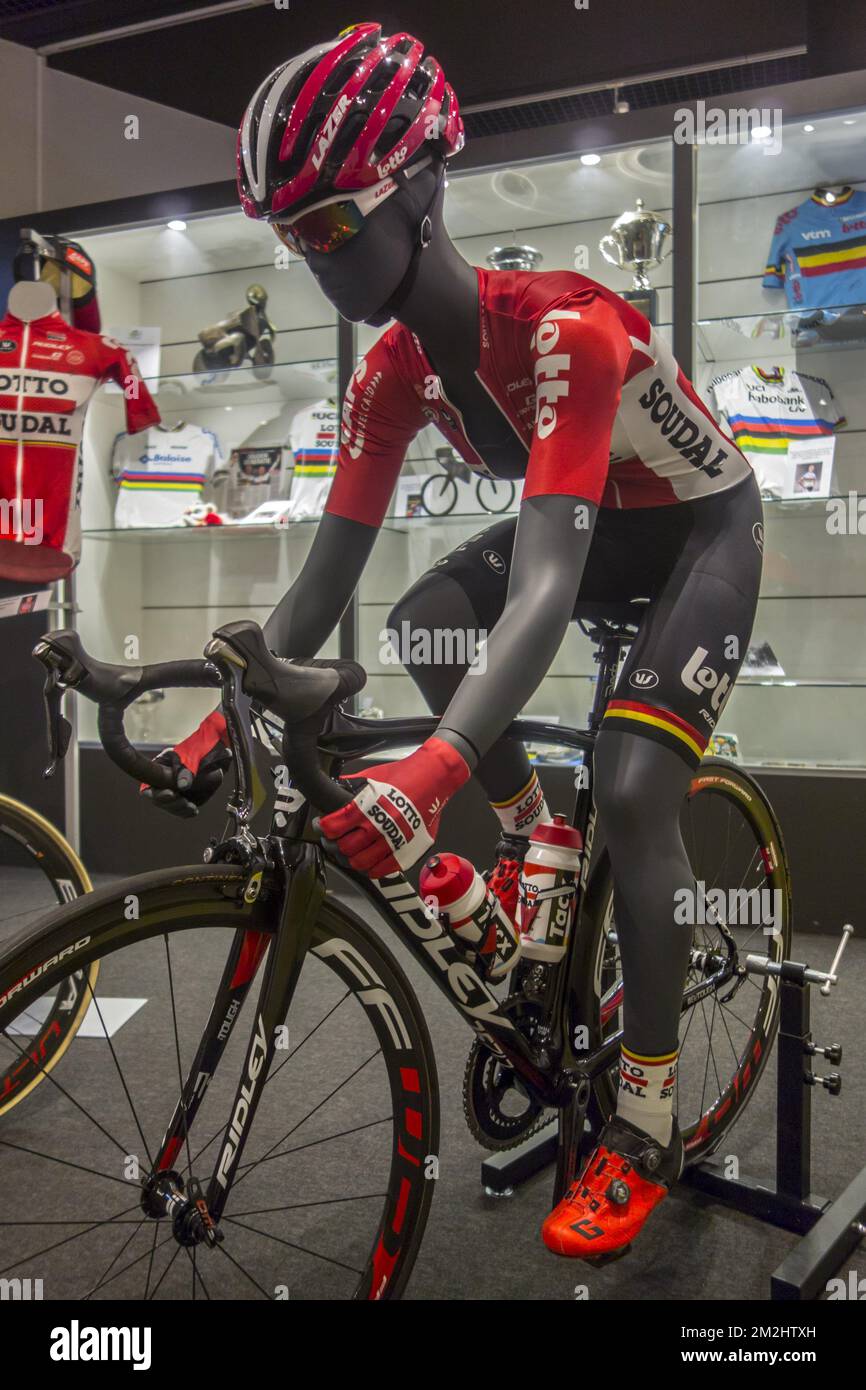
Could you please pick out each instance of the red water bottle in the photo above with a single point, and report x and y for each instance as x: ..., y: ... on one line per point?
x: 474, y: 916
x: 548, y: 889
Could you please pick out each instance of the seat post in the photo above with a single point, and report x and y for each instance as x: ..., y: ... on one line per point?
x: 607, y: 657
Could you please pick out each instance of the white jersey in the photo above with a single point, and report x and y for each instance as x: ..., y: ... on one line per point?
x: 768, y: 408
x: 315, y: 440
x: 161, y: 473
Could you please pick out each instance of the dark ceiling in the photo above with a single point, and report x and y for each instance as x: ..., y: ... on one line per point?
x: 492, y: 50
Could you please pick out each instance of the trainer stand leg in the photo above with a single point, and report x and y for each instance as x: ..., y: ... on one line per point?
x: 829, y: 1231
x: 502, y: 1172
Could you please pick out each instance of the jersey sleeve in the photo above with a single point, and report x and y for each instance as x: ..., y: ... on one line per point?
x: 775, y: 269
x: 823, y: 404
x: 121, y: 366
x: 580, y: 360
x: 381, y: 416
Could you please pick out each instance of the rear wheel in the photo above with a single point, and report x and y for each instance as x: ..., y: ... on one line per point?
x: 337, y: 1176
x: 38, y: 870
x: 735, y: 846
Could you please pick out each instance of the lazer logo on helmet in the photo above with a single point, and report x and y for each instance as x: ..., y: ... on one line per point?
x: 681, y: 432
x: 329, y: 134
x: 392, y: 162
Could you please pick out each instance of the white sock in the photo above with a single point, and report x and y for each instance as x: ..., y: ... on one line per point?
x: 526, y: 809
x: 646, y: 1093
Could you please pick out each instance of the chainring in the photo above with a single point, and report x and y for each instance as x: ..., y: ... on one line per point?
x: 498, y: 1112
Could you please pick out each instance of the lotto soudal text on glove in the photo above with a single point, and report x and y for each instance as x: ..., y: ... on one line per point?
x: 394, y: 819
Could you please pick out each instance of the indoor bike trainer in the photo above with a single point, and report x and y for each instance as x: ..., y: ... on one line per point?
x: 829, y: 1230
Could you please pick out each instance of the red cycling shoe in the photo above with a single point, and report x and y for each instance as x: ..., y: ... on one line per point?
x: 624, y: 1179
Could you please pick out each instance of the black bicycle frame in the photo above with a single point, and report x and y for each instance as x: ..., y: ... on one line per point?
x: 293, y: 854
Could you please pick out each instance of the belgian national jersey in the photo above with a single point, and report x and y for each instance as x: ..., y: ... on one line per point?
x: 818, y: 252
x: 590, y: 389
x: 48, y: 373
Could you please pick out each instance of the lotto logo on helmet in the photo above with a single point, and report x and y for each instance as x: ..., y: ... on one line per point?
x: 392, y: 162
x: 329, y: 134
x: 550, y: 369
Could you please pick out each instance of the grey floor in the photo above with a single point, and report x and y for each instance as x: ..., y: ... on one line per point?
x: 692, y: 1249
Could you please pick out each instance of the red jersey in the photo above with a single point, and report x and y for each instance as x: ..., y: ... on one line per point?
x: 590, y: 389
x: 48, y: 374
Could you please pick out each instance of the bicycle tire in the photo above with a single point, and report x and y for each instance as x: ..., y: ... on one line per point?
x: 439, y: 495
x: 46, y: 850
x: 184, y: 899
x: 701, y: 1138
x: 486, y: 485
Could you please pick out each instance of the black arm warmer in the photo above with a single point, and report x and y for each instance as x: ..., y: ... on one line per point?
x: 308, y: 612
x: 549, y: 556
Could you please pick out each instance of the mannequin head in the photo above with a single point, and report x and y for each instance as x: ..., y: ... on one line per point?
x: 361, y: 279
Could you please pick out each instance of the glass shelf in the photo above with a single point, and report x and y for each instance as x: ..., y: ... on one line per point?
x: 238, y: 386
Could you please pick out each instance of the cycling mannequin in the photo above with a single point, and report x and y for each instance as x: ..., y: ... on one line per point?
x: 631, y: 491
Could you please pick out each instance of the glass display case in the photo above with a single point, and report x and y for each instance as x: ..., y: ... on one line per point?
x: 780, y: 340
x: 149, y: 592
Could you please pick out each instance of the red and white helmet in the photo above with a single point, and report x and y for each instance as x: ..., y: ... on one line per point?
x: 340, y: 118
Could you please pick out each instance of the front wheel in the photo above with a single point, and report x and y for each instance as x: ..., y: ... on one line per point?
x: 439, y: 495
x: 736, y: 852
x: 38, y: 870
x: 338, y: 1173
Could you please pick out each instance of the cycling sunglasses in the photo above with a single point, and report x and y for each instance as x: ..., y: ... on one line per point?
x: 328, y: 225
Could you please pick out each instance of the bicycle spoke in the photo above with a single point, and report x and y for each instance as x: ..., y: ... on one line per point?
x: 293, y: 1245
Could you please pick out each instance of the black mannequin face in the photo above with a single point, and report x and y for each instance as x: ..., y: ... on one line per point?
x: 361, y: 276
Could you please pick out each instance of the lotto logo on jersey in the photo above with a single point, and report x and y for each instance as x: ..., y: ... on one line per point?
x: 551, y: 369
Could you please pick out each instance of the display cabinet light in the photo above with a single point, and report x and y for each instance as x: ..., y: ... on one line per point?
x: 808, y: 128
x: 590, y: 159
x: 176, y: 225
x: 761, y: 132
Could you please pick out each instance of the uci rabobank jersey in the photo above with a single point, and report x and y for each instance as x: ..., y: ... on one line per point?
x: 590, y: 389
x: 48, y: 373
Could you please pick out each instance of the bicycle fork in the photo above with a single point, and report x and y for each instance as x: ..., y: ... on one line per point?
x: 196, y: 1215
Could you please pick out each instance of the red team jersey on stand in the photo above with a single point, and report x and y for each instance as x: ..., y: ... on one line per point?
x: 589, y: 387
x: 48, y: 374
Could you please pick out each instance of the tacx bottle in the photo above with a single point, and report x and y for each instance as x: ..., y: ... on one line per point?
x: 473, y: 914
x: 548, y: 888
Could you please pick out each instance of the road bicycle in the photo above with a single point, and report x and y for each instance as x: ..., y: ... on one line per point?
x: 439, y: 492
x: 39, y: 868
x: 297, y: 1157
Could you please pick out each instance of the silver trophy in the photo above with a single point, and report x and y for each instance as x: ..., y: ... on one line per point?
x: 514, y: 258
x: 636, y: 242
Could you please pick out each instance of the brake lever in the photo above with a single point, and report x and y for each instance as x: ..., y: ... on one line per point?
x: 58, y: 726
x: 239, y: 729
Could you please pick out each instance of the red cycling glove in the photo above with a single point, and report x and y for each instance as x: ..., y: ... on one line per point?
x: 394, y: 819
